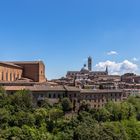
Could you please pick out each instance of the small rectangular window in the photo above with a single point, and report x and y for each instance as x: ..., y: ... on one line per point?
x: 49, y: 95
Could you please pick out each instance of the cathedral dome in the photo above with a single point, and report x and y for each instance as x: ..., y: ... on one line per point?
x: 84, y: 69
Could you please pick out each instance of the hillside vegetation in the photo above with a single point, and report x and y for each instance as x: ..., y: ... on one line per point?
x: 21, y: 120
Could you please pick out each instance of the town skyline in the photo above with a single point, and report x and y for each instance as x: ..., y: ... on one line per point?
x: 63, y: 34
x: 69, y: 69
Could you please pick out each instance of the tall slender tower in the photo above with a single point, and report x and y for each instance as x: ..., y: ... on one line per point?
x: 90, y: 63
x: 106, y: 70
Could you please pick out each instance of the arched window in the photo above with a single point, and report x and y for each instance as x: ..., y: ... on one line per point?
x: 2, y: 76
x: 10, y: 76
x: 41, y: 72
x: 18, y: 76
x: 14, y: 76
x: 6, y: 76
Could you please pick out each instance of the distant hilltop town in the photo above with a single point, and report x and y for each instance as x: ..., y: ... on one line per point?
x: 95, y: 87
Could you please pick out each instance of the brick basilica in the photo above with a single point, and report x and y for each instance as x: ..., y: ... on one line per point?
x: 12, y: 71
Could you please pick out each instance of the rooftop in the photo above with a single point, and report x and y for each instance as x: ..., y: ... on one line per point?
x: 9, y: 64
x: 25, y: 62
x: 100, y: 91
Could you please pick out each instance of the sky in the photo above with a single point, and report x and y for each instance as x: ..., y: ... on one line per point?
x: 63, y: 33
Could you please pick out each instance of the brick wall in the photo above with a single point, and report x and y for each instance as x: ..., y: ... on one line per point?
x: 8, y: 73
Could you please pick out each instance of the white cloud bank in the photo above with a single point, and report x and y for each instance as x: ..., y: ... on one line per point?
x: 118, y: 68
x: 112, y: 53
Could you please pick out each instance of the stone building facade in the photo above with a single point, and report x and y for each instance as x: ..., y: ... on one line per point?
x: 130, y: 78
x: 96, y: 98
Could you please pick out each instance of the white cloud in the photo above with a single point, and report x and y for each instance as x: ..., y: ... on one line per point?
x: 118, y: 68
x: 135, y: 59
x: 112, y: 53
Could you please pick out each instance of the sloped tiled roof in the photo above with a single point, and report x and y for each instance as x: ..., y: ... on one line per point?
x: 9, y: 64
x: 100, y: 91
x: 46, y: 88
x: 71, y: 88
